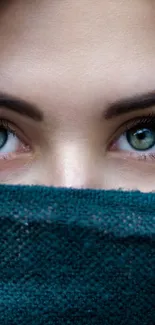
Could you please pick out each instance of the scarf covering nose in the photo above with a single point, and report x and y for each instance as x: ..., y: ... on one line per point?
x: 76, y: 257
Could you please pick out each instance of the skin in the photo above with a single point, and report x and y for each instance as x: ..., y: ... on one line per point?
x: 72, y: 59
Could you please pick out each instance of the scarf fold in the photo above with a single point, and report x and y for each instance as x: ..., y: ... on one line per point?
x: 76, y: 257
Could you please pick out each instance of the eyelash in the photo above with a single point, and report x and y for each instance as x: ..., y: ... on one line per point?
x: 7, y: 125
x: 142, y: 121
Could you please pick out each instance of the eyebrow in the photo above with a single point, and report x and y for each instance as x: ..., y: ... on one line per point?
x: 130, y: 104
x: 20, y: 106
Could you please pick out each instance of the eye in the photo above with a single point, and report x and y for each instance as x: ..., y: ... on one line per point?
x: 10, y: 142
x: 138, y: 137
x: 141, y: 139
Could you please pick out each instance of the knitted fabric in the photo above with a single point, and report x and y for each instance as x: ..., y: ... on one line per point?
x: 76, y: 257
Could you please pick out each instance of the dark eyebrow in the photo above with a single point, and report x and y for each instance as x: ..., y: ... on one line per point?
x: 20, y: 106
x: 128, y: 105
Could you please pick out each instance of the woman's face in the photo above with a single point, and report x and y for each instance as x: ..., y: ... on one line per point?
x: 77, y: 93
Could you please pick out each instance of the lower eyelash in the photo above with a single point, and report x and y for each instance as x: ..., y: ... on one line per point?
x: 152, y: 156
x: 145, y: 157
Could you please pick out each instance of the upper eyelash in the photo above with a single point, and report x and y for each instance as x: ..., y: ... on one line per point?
x: 148, y: 120
x: 6, y: 125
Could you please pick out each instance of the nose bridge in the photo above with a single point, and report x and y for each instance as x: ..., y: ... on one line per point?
x: 75, y: 159
x: 71, y: 163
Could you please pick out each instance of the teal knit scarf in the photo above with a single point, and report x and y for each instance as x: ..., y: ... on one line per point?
x: 76, y: 257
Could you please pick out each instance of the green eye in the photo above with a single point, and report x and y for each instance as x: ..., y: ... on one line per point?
x: 3, y: 137
x: 141, y: 138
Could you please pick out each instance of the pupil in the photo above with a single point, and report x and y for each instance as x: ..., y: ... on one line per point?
x: 141, y: 134
x: 3, y: 137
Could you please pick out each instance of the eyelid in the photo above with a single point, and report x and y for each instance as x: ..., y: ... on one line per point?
x: 35, y: 134
x: 12, y: 127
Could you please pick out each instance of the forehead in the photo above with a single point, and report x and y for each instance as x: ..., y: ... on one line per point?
x: 99, y: 42
x: 107, y: 14
x: 65, y: 23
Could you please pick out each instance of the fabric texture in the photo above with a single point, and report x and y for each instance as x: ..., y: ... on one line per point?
x: 76, y: 257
